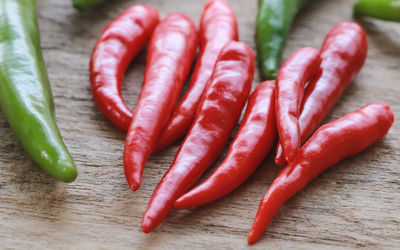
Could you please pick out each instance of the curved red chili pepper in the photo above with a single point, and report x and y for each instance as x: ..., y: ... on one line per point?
x: 120, y: 42
x: 217, y: 27
x: 171, y: 52
x: 252, y: 143
x: 301, y: 67
x: 330, y: 144
x: 218, y: 113
x: 343, y: 54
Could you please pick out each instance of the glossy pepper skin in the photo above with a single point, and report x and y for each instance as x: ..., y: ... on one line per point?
x: 343, y: 54
x: 301, y: 67
x: 217, y: 27
x: 218, y: 113
x: 86, y: 4
x: 171, y: 52
x: 25, y: 94
x: 388, y: 10
x: 252, y: 143
x: 329, y: 145
x: 274, y: 21
x: 120, y: 41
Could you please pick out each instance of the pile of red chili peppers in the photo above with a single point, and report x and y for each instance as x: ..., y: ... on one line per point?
x: 306, y: 88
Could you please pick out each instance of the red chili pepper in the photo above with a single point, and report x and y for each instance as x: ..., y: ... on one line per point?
x: 343, y: 54
x: 171, y: 52
x: 217, y: 27
x: 218, y: 113
x: 301, y: 67
x: 252, y: 143
x: 120, y: 42
x: 329, y: 145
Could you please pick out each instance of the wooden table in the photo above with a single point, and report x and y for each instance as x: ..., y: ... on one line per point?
x: 357, y: 203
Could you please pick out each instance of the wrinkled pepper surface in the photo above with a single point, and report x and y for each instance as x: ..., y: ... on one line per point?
x: 300, y: 68
x: 218, y: 26
x: 330, y: 144
x: 274, y: 21
x: 119, y: 43
x: 25, y: 94
x: 171, y: 52
x: 216, y: 117
x: 252, y: 143
x: 343, y: 54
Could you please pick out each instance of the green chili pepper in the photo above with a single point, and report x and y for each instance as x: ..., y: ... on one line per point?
x: 86, y: 4
x: 382, y: 9
x: 274, y: 21
x: 25, y: 94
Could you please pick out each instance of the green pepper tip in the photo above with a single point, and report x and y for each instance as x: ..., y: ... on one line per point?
x: 68, y: 172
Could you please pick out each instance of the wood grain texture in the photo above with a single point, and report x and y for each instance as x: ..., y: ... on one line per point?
x: 355, y: 204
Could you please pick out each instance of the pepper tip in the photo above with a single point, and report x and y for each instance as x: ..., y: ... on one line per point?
x: 178, y: 204
x: 146, y: 225
x: 133, y: 181
x: 251, y: 239
x: 134, y: 186
x: 68, y: 172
